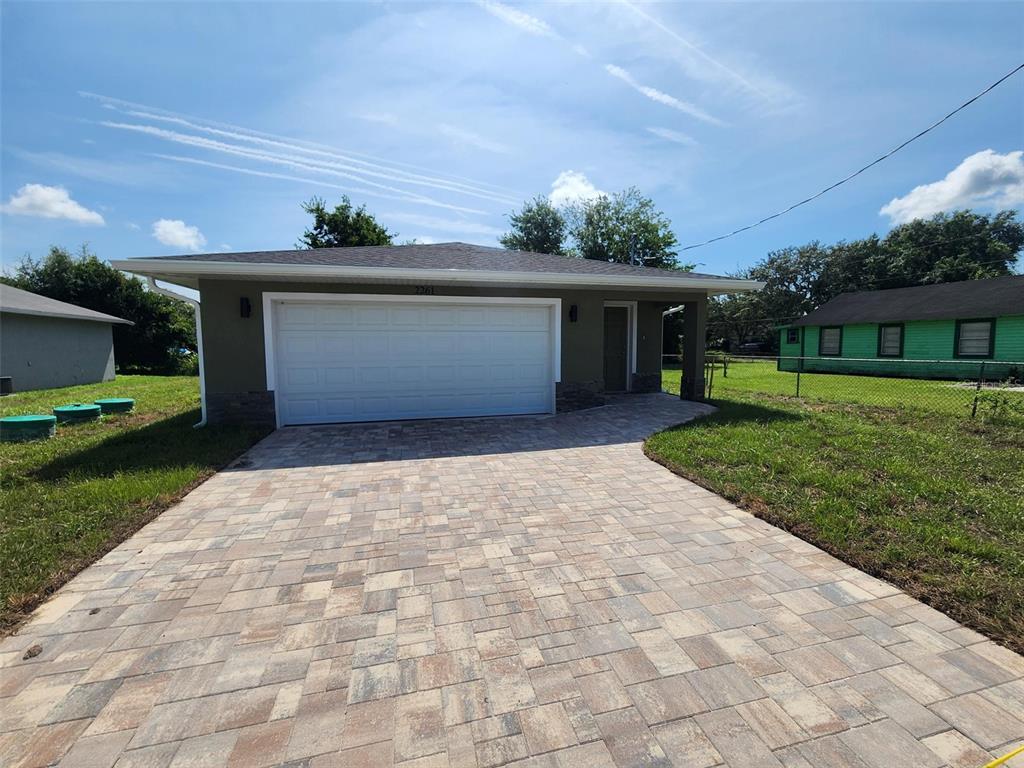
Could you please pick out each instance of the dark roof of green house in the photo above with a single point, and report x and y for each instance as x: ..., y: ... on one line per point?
x: 967, y: 299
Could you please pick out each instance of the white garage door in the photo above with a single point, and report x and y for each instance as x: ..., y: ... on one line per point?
x: 340, y: 361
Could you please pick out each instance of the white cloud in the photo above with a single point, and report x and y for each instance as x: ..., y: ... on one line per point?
x: 660, y: 96
x: 669, y: 135
x: 464, y: 136
x: 572, y: 186
x: 132, y: 226
x: 308, y: 159
x: 49, y: 203
x: 177, y: 233
x: 516, y: 18
x: 708, y: 60
x: 985, y: 179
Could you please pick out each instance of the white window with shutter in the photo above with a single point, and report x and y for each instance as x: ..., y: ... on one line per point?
x: 974, y: 338
x: 890, y: 341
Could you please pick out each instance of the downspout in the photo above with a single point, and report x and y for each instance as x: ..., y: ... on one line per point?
x: 199, y: 343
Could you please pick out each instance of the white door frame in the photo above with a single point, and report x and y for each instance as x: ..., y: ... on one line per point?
x: 271, y: 297
x: 630, y: 338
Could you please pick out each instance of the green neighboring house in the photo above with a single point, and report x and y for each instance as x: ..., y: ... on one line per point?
x: 959, y: 329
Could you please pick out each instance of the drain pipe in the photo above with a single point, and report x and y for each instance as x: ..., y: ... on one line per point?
x: 199, y: 343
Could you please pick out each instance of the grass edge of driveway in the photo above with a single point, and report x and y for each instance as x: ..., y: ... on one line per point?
x: 69, y: 501
x: 935, y: 586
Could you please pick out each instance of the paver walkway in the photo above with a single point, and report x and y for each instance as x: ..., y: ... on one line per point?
x: 530, y: 591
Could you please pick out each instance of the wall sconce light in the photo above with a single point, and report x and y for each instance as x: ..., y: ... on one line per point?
x: 574, y: 313
x: 245, y: 307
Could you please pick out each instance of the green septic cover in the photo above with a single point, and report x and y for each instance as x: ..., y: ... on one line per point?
x: 115, y: 404
x: 29, y: 427
x: 29, y: 419
x: 76, y: 412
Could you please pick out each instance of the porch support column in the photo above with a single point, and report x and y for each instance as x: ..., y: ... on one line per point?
x: 694, y: 340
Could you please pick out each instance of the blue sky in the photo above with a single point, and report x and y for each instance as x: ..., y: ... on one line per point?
x: 161, y: 128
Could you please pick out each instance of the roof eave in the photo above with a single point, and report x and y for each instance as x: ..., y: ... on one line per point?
x: 191, y: 271
x: 38, y: 313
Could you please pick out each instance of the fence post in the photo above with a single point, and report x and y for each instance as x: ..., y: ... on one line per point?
x: 711, y: 379
x: 798, y: 382
x: 977, y: 389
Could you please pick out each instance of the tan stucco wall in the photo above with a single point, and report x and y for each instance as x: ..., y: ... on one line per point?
x: 46, y: 352
x: 235, y: 360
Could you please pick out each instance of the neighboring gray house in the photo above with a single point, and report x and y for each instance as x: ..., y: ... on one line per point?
x: 46, y: 343
x: 426, y: 331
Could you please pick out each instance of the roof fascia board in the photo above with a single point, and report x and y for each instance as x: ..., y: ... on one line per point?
x: 57, y: 316
x: 264, y: 270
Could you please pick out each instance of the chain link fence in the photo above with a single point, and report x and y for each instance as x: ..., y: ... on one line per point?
x: 981, y: 389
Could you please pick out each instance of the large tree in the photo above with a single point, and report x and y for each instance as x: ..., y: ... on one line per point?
x: 539, y: 227
x: 344, y: 226
x: 945, y: 248
x: 625, y: 227
x: 163, y: 337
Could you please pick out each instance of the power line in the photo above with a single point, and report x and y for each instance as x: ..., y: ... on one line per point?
x: 858, y: 172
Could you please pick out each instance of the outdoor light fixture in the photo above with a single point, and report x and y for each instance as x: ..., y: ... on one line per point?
x: 574, y: 313
x: 245, y: 306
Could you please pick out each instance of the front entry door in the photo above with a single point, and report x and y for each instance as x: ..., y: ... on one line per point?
x: 616, y: 348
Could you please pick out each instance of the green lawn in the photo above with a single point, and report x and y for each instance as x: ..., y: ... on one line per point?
x: 64, y: 502
x: 929, y: 501
x: 758, y: 376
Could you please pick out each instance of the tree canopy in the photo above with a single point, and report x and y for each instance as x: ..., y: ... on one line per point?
x: 344, y: 226
x: 539, y: 227
x: 622, y: 227
x: 945, y: 248
x: 163, y: 327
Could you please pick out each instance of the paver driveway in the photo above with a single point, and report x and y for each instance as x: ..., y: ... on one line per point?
x: 527, y: 591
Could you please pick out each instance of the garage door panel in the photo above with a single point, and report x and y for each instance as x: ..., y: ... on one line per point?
x: 339, y: 376
x: 407, y: 375
x: 338, y: 408
x: 410, y: 316
x: 336, y: 315
x: 373, y: 375
x: 298, y: 314
x: 471, y: 317
x: 299, y: 347
x: 439, y: 377
x: 298, y: 409
x: 335, y: 346
x: 366, y: 362
x: 370, y: 315
x: 301, y: 377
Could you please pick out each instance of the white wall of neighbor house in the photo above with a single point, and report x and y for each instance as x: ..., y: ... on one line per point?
x: 46, y: 352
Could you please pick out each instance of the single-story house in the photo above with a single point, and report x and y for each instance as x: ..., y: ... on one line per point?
x: 47, y: 343
x: 954, y: 327
x: 424, y: 331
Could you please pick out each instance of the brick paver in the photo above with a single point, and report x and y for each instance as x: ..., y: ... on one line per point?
x: 527, y: 591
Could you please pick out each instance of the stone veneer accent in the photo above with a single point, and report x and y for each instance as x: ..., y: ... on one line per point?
x: 646, y: 382
x: 241, y: 408
x: 575, y: 396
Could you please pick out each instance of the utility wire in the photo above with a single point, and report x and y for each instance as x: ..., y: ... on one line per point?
x: 858, y: 172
